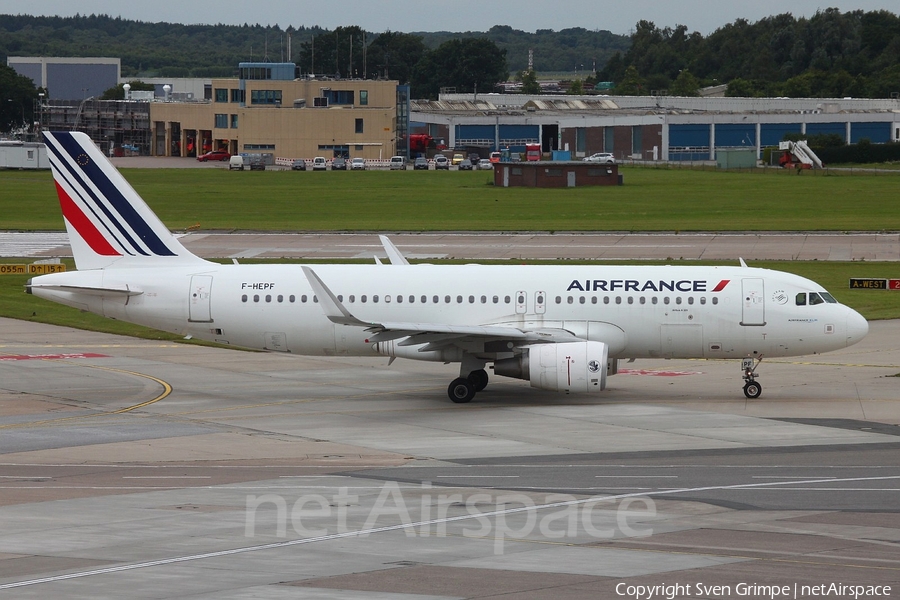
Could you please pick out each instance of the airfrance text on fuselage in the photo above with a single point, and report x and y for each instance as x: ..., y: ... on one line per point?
x: 634, y: 285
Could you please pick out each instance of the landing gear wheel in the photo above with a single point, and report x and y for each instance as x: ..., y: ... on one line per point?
x: 479, y: 379
x: 752, y: 389
x: 461, y: 390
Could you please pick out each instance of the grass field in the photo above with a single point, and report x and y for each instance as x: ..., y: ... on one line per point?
x: 651, y: 200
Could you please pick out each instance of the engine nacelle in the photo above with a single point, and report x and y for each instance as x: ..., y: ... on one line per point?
x: 576, y: 367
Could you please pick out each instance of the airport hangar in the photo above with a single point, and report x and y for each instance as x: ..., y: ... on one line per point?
x: 647, y: 127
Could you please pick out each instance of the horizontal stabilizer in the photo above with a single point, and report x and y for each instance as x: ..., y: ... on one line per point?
x: 117, y: 291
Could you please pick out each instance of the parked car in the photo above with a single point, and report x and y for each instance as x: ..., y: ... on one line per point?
x: 441, y: 162
x: 339, y: 164
x: 601, y: 157
x: 398, y: 163
x: 358, y: 164
x: 298, y: 164
x: 420, y: 164
x: 473, y: 156
x: 465, y: 165
x: 215, y: 155
x: 495, y: 157
x: 320, y: 164
x: 485, y: 164
x: 257, y: 164
x: 236, y: 163
x: 457, y: 158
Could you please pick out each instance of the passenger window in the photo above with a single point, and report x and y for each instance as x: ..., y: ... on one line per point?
x: 412, y: 299
x: 399, y: 298
x: 570, y: 300
x: 666, y: 300
x: 605, y: 299
x: 630, y: 300
x: 715, y: 300
x: 581, y: 300
x: 291, y: 298
x: 459, y: 299
x: 316, y: 299
x: 594, y: 300
x: 256, y: 297
x: 618, y: 299
x: 496, y: 299
x: 362, y: 298
x: 655, y: 300
x: 268, y: 297
x: 484, y: 299
x: 507, y: 299
x: 678, y: 300
x: 303, y: 298
x: 352, y: 298
x: 702, y: 299
x: 690, y: 300
x: 375, y: 298
x: 801, y: 299
x: 340, y: 297
x: 643, y: 300
x: 559, y: 299
x: 280, y: 298
x: 471, y: 299
x: 447, y: 299
x: 244, y: 298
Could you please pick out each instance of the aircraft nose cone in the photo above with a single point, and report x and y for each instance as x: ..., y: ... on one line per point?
x: 857, y: 327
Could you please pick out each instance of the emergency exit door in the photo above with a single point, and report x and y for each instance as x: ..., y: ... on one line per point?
x: 198, y: 301
x: 753, y: 301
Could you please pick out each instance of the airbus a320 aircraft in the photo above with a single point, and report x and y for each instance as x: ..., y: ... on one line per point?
x: 562, y: 328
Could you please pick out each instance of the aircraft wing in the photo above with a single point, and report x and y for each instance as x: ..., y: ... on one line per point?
x: 434, y: 334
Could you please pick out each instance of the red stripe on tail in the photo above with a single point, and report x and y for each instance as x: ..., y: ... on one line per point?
x: 83, y: 225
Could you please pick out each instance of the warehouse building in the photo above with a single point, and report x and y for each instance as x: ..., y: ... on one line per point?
x: 646, y: 127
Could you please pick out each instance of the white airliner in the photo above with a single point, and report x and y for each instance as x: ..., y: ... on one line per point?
x: 563, y: 328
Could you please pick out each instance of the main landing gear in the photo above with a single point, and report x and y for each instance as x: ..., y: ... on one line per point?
x: 462, y: 389
x: 752, y: 388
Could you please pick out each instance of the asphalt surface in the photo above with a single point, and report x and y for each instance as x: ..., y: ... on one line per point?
x: 144, y: 469
x: 870, y: 247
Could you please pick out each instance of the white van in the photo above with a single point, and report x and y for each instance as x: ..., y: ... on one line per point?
x: 236, y: 163
x: 320, y: 164
x: 398, y: 163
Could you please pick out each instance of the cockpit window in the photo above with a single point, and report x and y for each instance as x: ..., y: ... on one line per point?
x: 815, y: 298
x: 828, y: 298
x: 801, y: 299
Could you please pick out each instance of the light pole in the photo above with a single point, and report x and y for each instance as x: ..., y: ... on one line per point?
x: 40, y: 113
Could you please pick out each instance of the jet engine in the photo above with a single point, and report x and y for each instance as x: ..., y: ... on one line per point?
x: 565, y: 367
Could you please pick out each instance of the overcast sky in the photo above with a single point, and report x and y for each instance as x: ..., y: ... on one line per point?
x: 376, y: 16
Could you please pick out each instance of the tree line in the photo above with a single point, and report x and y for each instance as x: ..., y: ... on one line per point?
x: 831, y: 54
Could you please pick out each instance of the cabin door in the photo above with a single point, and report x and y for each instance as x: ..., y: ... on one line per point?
x: 753, y: 302
x: 198, y: 301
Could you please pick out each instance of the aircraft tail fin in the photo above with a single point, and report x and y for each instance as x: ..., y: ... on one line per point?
x: 108, y: 223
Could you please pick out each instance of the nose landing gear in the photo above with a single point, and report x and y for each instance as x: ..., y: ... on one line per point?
x: 752, y: 388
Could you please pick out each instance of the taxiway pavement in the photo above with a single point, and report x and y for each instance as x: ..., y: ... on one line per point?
x: 145, y: 469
